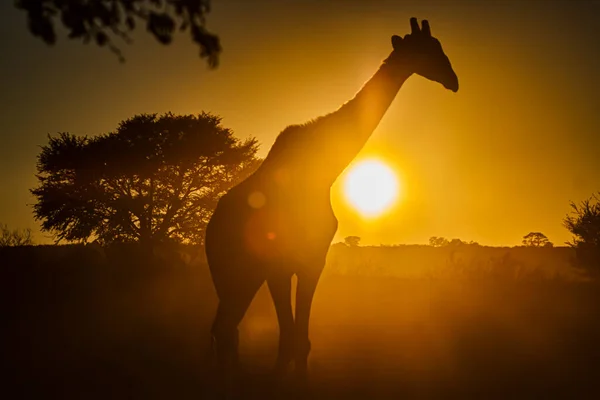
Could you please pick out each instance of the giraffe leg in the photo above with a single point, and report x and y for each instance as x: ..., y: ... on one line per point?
x: 281, y: 291
x: 232, y: 307
x: 307, y: 283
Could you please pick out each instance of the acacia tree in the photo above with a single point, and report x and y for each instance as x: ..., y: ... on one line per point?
x: 435, y: 241
x: 155, y: 179
x: 536, y: 239
x: 102, y: 20
x: 584, y: 224
x: 352, y: 241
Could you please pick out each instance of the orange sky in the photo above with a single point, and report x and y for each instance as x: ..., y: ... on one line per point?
x: 500, y: 158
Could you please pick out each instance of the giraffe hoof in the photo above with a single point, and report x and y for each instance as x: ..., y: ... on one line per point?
x: 300, y: 387
x: 300, y: 378
x: 281, y: 368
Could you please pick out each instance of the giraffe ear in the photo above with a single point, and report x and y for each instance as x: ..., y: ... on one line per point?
x: 396, y: 41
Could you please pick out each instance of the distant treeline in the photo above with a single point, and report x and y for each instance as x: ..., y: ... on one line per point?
x: 463, y: 261
x: 401, y: 261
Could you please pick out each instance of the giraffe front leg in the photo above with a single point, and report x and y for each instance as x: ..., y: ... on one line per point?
x: 307, y: 284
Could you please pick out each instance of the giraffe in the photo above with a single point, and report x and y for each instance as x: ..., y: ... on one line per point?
x: 280, y: 222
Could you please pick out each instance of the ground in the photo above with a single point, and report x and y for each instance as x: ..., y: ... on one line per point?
x: 141, y: 332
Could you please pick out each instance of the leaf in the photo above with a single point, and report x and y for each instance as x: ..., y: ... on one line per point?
x: 101, y: 38
x: 162, y: 26
x: 42, y: 27
x: 130, y: 22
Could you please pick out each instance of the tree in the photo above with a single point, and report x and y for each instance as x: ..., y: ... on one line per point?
x: 536, y: 239
x: 584, y: 224
x: 456, y: 242
x: 155, y: 179
x: 435, y: 241
x: 103, y: 20
x: 14, y: 237
x: 352, y: 241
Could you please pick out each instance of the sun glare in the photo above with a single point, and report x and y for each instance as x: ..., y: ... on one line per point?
x: 371, y: 187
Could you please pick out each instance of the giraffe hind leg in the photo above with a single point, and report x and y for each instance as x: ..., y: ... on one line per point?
x: 307, y: 283
x: 280, y: 286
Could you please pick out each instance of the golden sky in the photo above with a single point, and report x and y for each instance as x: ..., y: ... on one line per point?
x: 500, y: 158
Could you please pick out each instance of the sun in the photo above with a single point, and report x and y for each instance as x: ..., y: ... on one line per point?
x: 371, y: 187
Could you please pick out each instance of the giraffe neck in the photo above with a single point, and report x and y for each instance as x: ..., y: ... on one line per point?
x: 319, y: 151
x: 345, y: 131
x: 362, y: 114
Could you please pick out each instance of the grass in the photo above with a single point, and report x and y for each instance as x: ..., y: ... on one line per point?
x: 84, y: 324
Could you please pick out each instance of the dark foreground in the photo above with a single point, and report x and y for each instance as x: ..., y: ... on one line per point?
x: 140, y: 330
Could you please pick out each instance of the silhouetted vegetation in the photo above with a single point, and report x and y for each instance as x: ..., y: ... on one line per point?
x: 100, y: 21
x: 352, y: 241
x: 155, y: 179
x: 536, y: 239
x: 438, y: 241
x: 14, y: 237
x: 584, y: 224
x: 455, y: 242
x: 455, y: 262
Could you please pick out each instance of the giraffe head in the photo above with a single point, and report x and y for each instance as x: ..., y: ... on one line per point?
x: 425, y: 55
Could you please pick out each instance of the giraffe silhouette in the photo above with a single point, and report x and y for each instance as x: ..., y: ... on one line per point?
x: 279, y: 221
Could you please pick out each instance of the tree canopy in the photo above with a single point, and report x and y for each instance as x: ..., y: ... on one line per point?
x: 536, y: 239
x: 155, y: 179
x: 101, y: 21
x: 435, y: 241
x: 352, y: 241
